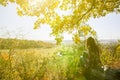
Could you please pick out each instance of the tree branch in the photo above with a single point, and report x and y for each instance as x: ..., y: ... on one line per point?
x: 88, y: 10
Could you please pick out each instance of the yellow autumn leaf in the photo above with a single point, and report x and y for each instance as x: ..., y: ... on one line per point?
x: 93, y: 33
x: 76, y: 38
x: 11, y: 0
x: 20, y: 13
x: 5, y: 56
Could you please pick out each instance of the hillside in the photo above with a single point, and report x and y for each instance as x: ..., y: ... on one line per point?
x: 23, y: 44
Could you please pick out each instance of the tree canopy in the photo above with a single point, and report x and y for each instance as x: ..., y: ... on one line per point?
x: 75, y: 22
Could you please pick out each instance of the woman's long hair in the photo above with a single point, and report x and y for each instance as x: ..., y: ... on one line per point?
x: 92, y: 46
x: 94, y: 52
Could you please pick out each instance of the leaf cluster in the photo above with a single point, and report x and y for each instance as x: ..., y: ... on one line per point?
x: 80, y: 12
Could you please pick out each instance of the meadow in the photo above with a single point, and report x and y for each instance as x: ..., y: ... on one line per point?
x: 50, y: 63
x: 75, y: 20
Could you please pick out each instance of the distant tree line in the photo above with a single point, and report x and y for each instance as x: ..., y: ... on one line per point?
x: 22, y: 44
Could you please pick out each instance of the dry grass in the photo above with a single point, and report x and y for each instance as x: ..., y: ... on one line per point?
x: 25, y: 64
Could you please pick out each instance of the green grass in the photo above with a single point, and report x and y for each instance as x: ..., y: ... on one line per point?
x: 61, y: 63
x: 40, y: 64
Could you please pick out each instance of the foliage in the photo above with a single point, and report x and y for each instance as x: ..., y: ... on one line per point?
x: 110, y: 55
x: 48, y: 12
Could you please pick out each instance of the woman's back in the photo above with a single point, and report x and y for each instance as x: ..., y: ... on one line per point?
x: 94, y: 53
x: 94, y: 70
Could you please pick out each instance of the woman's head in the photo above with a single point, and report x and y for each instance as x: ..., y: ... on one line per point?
x: 90, y: 42
x: 92, y: 46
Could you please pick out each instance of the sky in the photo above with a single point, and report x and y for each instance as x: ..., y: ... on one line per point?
x: 14, y: 26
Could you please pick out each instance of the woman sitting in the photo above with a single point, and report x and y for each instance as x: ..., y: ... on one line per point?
x: 93, y: 70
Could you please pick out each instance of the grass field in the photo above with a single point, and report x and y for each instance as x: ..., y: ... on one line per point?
x: 24, y: 64
x: 38, y: 64
x: 48, y: 63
